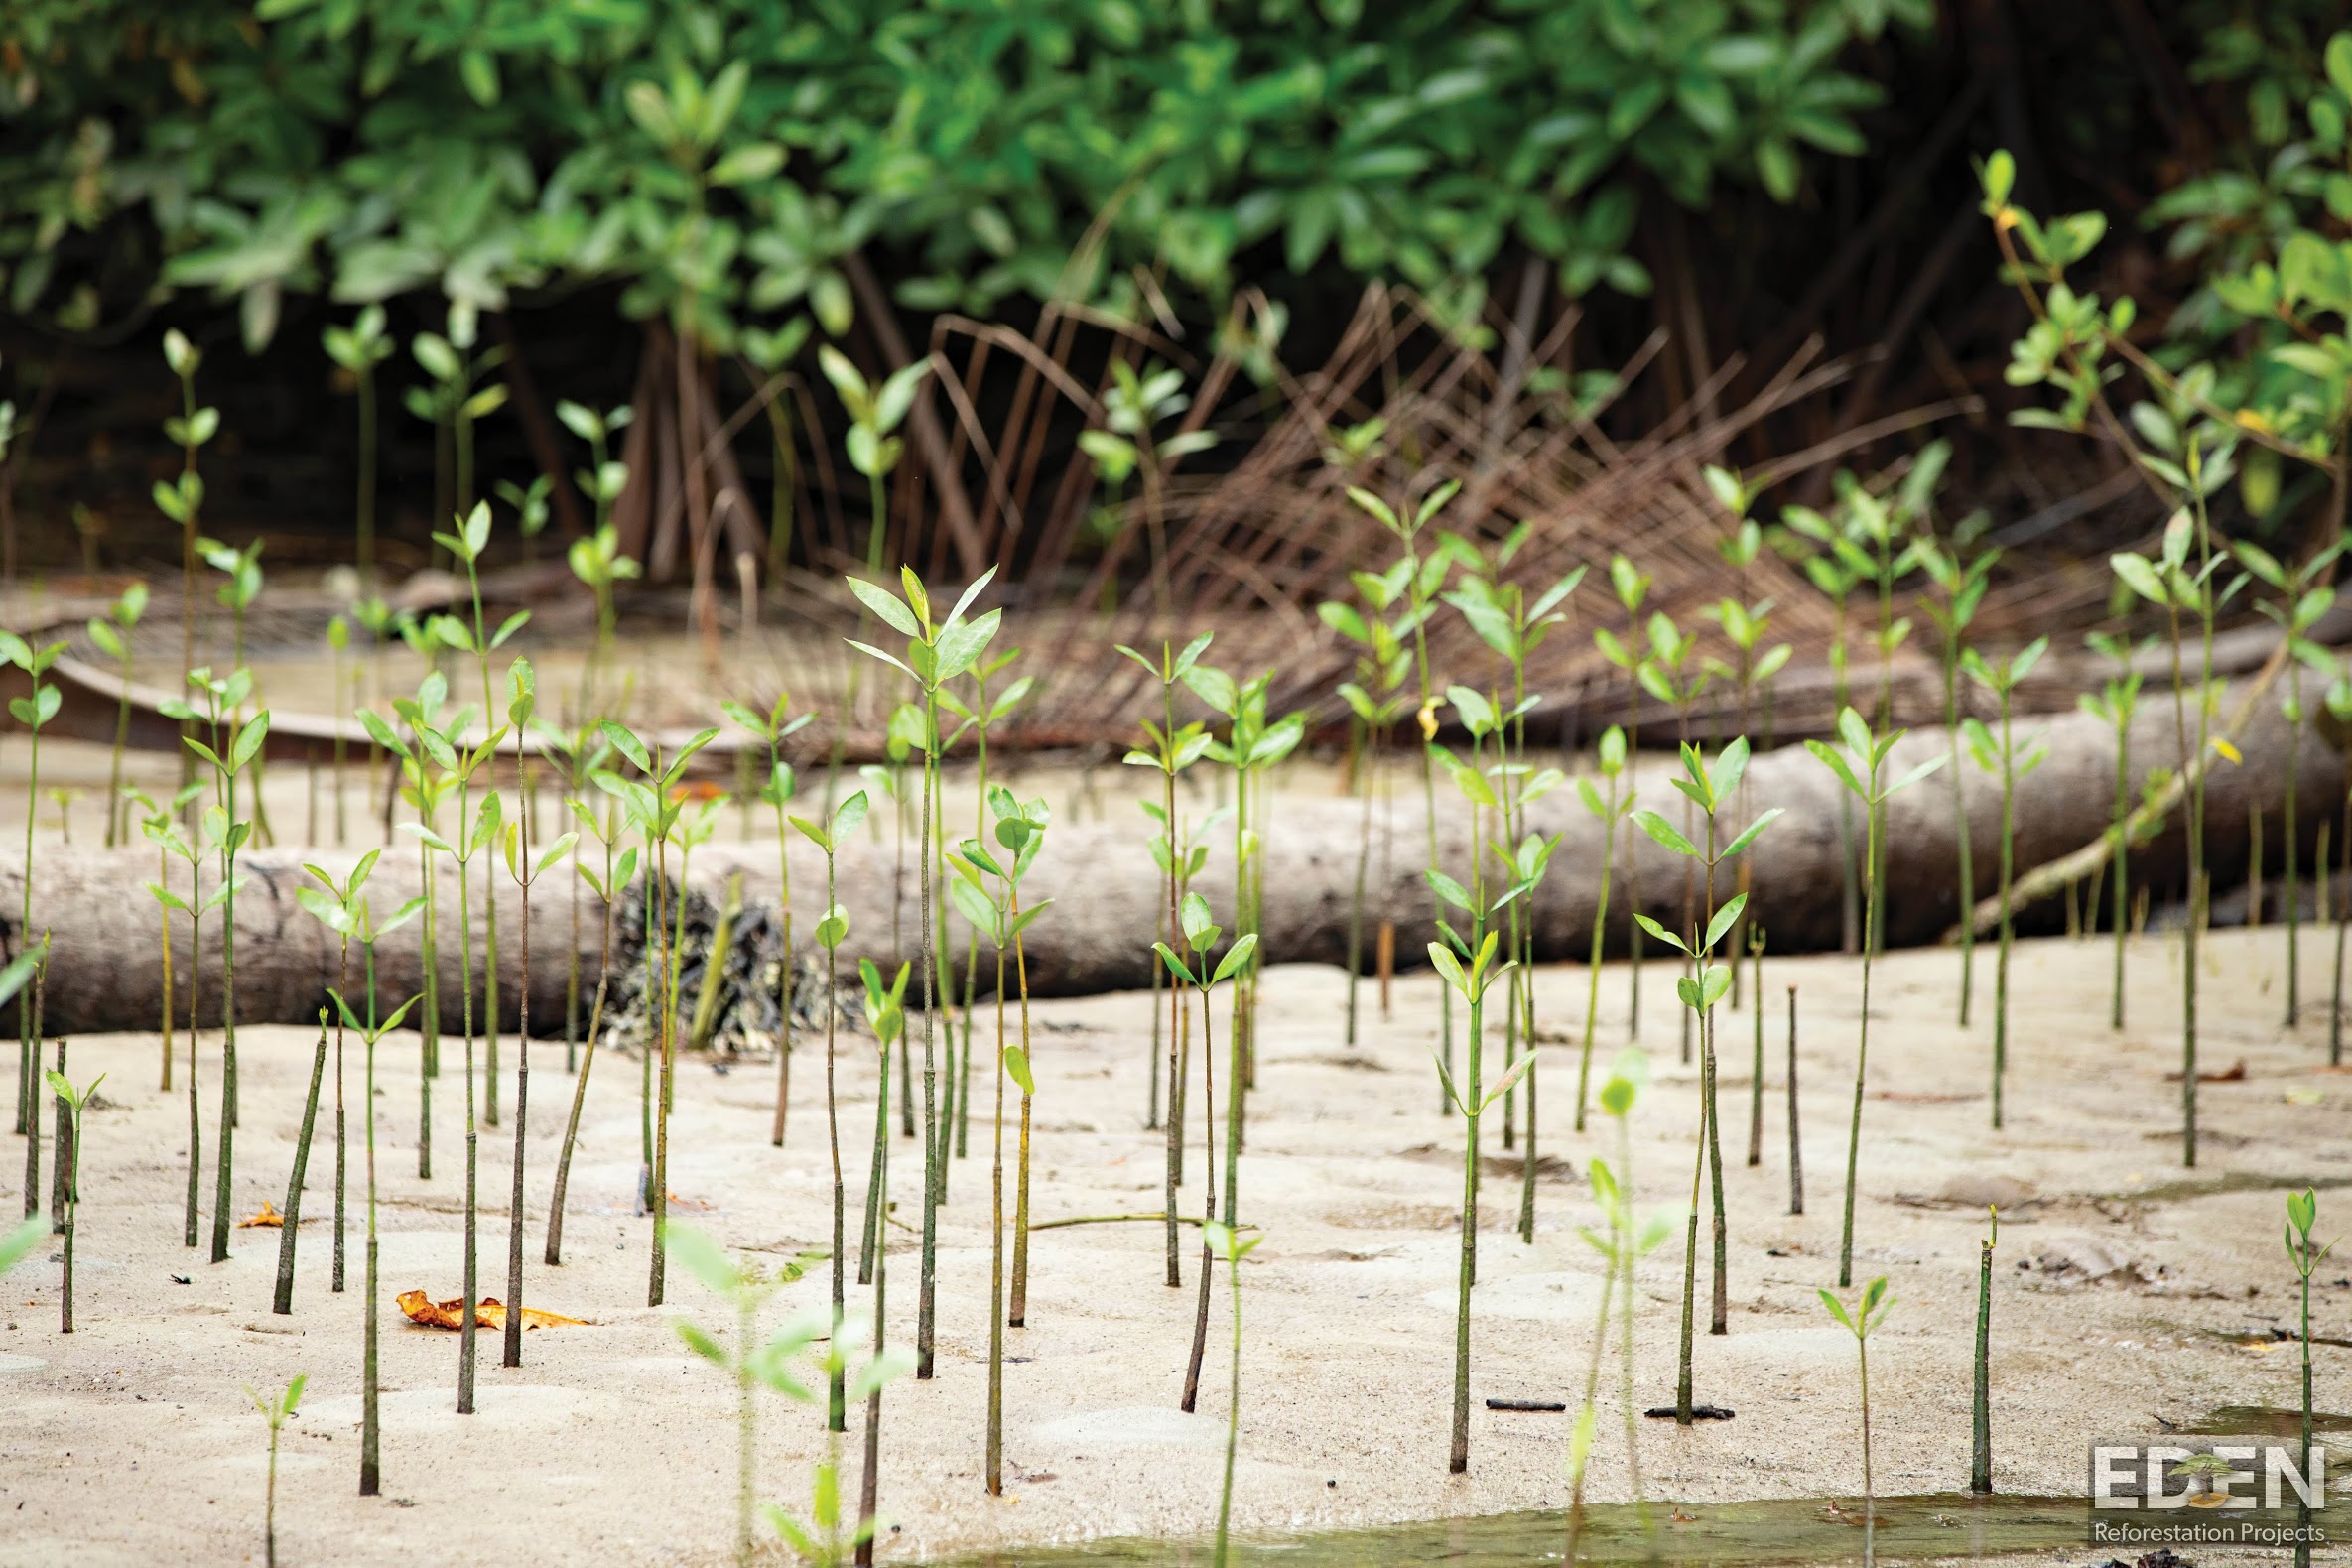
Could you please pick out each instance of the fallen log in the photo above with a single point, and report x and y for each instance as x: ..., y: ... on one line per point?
x: 1097, y: 938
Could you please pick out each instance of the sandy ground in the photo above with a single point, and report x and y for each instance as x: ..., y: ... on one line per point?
x: 2127, y: 1288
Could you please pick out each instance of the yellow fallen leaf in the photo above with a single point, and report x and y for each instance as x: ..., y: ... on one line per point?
x: 266, y: 1216
x: 488, y: 1313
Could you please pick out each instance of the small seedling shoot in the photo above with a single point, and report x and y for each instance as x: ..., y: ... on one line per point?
x: 277, y: 1412
x: 1865, y: 1317
x: 73, y: 1103
x: 751, y: 1362
x: 1226, y: 1244
x: 2303, y: 1211
x: 1980, y: 1409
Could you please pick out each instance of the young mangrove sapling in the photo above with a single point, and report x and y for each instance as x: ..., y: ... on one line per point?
x: 998, y: 917
x: 1610, y: 802
x: 773, y: 730
x: 1710, y: 787
x: 370, y: 1031
x: 936, y: 653
x: 617, y: 874
x: 282, y: 1302
x: 1171, y: 752
x: 1861, y: 768
x: 1199, y: 935
x: 526, y: 868
x: 2304, y: 595
x: 886, y: 1015
x: 831, y: 930
x: 2010, y: 761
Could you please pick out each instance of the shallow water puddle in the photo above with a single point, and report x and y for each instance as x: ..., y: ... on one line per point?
x: 1941, y: 1526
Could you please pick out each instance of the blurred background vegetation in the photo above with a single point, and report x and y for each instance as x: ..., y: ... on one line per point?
x: 1107, y: 222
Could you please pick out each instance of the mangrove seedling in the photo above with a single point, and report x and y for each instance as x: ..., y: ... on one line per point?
x: 1199, y: 935
x: 525, y: 867
x: 2168, y: 581
x: 1709, y: 787
x: 370, y: 1031
x: 773, y: 730
x: 886, y: 1015
x: 831, y: 1538
x: 450, y: 404
x: 2303, y: 1211
x: 356, y: 351
x: 1837, y: 566
x: 1424, y: 578
x: 876, y: 413
x: 1962, y: 577
x: 339, y: 644
x: 2011, y: 762
x: 434, y: 766
x: 1861, y: 768
x: 183, y: 499
x: 335, y: 905
x: 2115, y: 703
x: 1132, y: 403
x: 1980, y: 1409
x: 596, y: 560
x: 1610, y: 802
x: 1172, y: 751
x: 71, y: 1104
x: 242, y: 745
x: 1752, y: 665
x: 617, y: 874
x: 1253, y: 747
x: 467, y: 544
x: 33, y: 712
x: 1631, y: 585
x: 165, y: 832
x: 111, y: 633
x: 277, y: 1412
x: 1666, y: 675
x: 2304, y: 595
x: 998, y: 917
x: 1471, y: 985
x: 282, y: 1302
x: 832, y: 929
x: 1223, y: 1242
x: 459, y: 764
x: 752, y: 1363
x: 1867, y: 1313
x: 1376, y: 699
x: 240, y: 571
x: 2339, y: 708
x: 1622, y: 1243
x: 1021, y: 830
x: 977, y: 717
x: 1524, y: 866
x: 936, y: 653
x: 656, y: 808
